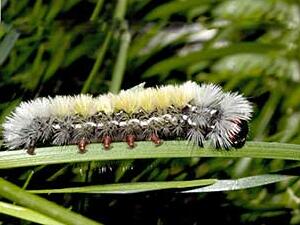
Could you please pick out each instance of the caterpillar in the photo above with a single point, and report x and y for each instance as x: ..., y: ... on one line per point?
x: 197, y: 113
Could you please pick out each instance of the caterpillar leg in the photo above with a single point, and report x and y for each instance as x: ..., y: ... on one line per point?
x: 106, y: 142
x: 155, y: 139
x: 30, y: 150
x: 130, y: 140
x: 30, y: 146
x: 82, y: 145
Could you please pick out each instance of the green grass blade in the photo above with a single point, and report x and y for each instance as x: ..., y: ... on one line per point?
x: 120, y: 10
x: 126, y: 188
x: 41, y: 205
x: 144, y: 150
x: 7, y: 44
x: 97, y: 9
x: 164, y: 11
x: 26, y: 214
x: 262, y: 122
x: 241, y: 183
x: 100, y: 56
x: 120, y: 65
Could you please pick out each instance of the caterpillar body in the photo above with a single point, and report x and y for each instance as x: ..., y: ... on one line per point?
x: 189, y: 111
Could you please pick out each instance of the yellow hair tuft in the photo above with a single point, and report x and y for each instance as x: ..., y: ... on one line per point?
x: 103, y: 104
x: 61, y: 106
x: 84, y: 105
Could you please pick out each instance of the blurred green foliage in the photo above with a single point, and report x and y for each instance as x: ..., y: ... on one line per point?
x: 251, y: 46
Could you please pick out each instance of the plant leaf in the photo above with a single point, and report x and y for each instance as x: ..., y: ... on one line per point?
x: 26, y: 214
x: 41, y: 205
x: 169, y: 64
x: 126, y: 188
x: 7, y: 44
x: 144, y: 150
x: 241, y: 183
x: 165, y: 10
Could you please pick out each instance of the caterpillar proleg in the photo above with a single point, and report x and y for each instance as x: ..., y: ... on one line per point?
x: 189, y: 111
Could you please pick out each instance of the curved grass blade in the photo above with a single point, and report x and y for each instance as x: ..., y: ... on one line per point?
x: 144, y: 150
x: 241, y: 183
x: 128, y: 188
x: 26, y: 214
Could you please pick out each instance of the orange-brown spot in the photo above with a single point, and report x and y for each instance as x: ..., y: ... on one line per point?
x: 106, y: 142
x: 155, y: 139
x: 82, y: 144
x: 130, y: 140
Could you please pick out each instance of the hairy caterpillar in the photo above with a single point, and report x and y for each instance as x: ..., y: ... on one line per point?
x: 188, y: 111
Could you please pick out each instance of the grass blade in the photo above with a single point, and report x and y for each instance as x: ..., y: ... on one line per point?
x: 100, y: 56
x: 7, y: 44
x: 241, y: 183
x: 40, y: 205
x: 26, y: 214
x: 165, y: 66
x: 164, y: 11
x: 97, y: 9
x: 126, y: 188
x: 144, y: 150
x: 120, y: 10
x: 120, y: 65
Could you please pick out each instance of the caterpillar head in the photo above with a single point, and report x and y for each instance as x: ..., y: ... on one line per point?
x: 220, y: 117
x: 231, y: 124
x: 238, y: 139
